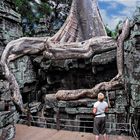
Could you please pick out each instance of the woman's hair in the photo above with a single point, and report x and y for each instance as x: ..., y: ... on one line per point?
x: 101, y: 97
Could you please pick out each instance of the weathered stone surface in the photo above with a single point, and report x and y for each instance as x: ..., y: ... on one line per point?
x: 10, y: 29
x: 85, y: 106
x: 132, y: 60
x: 51, y: 101
x: 9, y: 23
x: 104, y: 58
x: 80, y: 111
x: 7, y: 121
x: 71, y: 107
x: 23, y: 71
x: 132, y: 67
x: 68, y: 74
x: 4, y: 90
x: 7, y: 117
x: 83, y: 73
x: 35, y: 107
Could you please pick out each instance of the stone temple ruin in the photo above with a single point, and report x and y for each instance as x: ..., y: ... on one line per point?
x: 40, y: 79
x: 9, y: 29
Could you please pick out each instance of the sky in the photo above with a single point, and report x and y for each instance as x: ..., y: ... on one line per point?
x: 113, y: 11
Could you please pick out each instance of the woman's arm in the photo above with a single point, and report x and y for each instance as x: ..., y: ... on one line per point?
x: 106, y: 109
x: 94, y: 110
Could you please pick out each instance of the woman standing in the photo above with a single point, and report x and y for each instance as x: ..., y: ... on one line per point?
x: 99, y: 110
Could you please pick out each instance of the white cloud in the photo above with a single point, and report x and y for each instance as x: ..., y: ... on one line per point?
x: 124, y: 2
x: 113, y: 5
x: 127, y: 11
x: 130, y: 6
x: 127, y: 3
x: 111, y: 22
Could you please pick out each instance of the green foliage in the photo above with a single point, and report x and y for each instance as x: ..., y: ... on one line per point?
x: 24, y: 8
x: 113, y: 33
x: 118, y: 26
x: 53, y: 13
x: 110, y: 32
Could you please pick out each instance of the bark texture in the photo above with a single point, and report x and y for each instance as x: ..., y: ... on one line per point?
x: 84, y: 22
x: 84, y: 49
x: 116, y: 83
x: 90, y: 93
x: 120, y: 51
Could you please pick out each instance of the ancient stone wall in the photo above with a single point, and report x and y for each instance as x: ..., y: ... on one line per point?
x: 40, y: 79
x: 74, y: 73
x: 132, y: 67
x: 23, y: 71
x: 10, y: 29
x: 125, y: 104
x: 10, y: 20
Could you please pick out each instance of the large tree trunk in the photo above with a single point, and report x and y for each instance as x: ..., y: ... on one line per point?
x: 116, y: 83
x: 84, y: 22
x: 28, y: 46
x: 90, y: 93
x: 120, y: 51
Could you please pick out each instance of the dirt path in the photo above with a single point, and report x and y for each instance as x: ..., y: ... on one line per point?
x: 24, y: 132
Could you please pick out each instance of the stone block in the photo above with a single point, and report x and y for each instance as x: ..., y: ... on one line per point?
x: 104, y: 58
x: 71, y: 110
x: 85, y: 110
x: 10, y: 20
x: 23, y: 71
